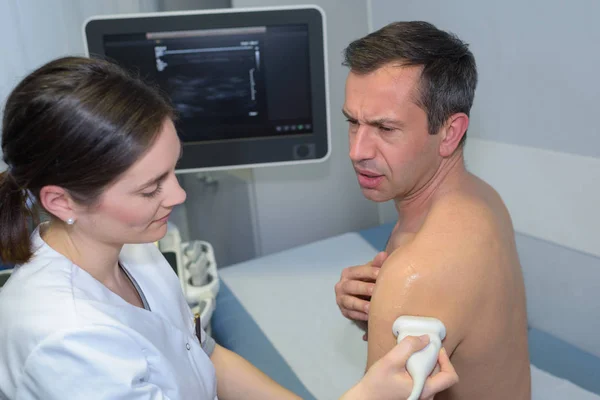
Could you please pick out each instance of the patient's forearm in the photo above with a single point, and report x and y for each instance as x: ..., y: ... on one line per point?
x: 238, y: 379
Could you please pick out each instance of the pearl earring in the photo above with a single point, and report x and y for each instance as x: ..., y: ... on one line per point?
x: 70, y: 221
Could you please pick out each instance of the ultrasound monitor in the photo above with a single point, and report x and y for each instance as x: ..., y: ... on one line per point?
x: 249, y: 85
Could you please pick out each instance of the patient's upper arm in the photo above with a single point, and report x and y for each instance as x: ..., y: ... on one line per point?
x: 416, y: 281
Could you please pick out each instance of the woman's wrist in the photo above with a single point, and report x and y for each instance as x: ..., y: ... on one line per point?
x: 355, y: 393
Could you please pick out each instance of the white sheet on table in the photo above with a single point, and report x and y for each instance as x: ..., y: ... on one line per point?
x: 545, y: 386
x: 291, y: 297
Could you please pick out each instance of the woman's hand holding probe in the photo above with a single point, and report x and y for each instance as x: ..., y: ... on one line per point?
x: 388, y: 379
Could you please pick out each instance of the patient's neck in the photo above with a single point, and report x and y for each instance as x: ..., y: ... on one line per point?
x: 413, y: 208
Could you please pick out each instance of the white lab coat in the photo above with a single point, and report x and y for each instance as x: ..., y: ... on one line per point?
x: 64, y: 335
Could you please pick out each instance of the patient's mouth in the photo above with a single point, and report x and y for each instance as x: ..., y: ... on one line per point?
x: 368, y: 179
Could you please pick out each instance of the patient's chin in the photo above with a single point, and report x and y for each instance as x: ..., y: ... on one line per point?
x: 376, y: 195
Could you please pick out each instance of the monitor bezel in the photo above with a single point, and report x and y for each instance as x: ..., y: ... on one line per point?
x: 239, y: 153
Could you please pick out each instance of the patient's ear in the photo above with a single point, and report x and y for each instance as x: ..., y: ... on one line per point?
x: 452, y: 132
x: 58, y: 202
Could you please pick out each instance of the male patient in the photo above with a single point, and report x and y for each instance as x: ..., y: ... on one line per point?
x: 452, y: 252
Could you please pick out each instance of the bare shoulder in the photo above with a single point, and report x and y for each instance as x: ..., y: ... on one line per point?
x: 473, y: 197
x: 438, y: 271
x: 467, y: 219
x: 459, y: 229
x: 440, y: 265
x: 417, y: 279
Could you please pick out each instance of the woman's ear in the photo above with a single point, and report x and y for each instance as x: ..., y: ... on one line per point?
x: 58, y: 202
x: 452, y: 133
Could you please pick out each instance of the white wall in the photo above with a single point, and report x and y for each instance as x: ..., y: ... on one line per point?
x: 179, y: 5
x: 301, y: 204
x: 534, y: 136
x: 34, y: 32
x: 221, y: 212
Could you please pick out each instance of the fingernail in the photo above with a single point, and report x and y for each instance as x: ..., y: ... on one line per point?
x: 424, y: 338
x: 366, y: 308
x: 376, y: 273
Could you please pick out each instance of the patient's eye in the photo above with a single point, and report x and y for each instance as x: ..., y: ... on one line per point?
x: 352, y: 124
x: 385, y: 128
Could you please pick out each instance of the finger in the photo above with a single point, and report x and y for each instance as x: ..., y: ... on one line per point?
x: 356, y: 315
x: 436, y: 370
x: 351, y: 303
x: 439, y: 383
x: 359, y: 288
x: 366, y: 337
x: 444, y: 379
x: 379, y: 259
x: 407, y: 346
x: 361, y: 272
x: 444, y: 361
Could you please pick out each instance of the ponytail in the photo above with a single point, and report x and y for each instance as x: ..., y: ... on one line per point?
x: 15, y: 243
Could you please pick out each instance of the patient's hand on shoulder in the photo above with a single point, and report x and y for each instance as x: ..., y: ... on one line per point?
x: 354, y: 289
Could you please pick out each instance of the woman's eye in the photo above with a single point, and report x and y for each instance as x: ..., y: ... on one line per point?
x: 154, y: 192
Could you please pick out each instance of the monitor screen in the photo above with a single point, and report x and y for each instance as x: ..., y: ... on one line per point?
x: 248, y: 86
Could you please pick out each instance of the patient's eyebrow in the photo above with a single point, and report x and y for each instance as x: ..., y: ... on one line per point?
x: 347, y: 115
x: 377, y: 121
x: 386, y: 121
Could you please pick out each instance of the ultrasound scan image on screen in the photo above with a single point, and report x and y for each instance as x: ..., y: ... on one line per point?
x: 249, y: 86
x: 226, y: 83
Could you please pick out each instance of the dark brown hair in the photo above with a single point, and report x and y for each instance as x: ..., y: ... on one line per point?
x: 78, y: 123
x: 449, y: 75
